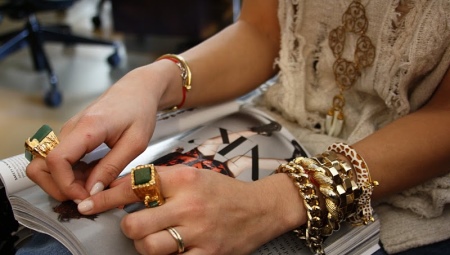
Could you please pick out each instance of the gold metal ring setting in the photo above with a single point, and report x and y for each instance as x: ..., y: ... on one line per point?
x: 41, y: 143
x: 146, y: 185
x: 177, y: 238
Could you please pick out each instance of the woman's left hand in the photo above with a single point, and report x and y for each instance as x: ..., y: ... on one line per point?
x: 213, y: 213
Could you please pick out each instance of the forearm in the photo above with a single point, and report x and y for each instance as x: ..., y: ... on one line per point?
x: 412, y: 149
x: 232, y: 62
x: 408, y: 152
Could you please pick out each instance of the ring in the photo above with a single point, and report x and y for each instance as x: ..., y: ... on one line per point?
x: 146, y: 185
x: 41, y: 143
x: 177, y: 238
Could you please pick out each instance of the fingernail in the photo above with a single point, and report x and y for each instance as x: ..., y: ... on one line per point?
x: 77, y: 201
x: 86, y: 205
x: 97, y: 188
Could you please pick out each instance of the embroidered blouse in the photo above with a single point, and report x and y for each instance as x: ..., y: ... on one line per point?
x: 411, y: 38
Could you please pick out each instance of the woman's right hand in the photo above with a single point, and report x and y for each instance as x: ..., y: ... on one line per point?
x: 123, y: 118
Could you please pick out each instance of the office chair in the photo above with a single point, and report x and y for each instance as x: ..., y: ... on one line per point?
x: 33, y: 34
x: 96, y: 19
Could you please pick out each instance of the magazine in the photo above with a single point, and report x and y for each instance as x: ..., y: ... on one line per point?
x: 237, y: 139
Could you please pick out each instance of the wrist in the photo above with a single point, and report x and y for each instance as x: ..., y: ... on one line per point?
x: 287, y: 203
x: 161, y: 79
x: 185, y: 75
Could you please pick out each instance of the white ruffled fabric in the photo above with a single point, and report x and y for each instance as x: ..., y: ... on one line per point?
x: 413, y: 53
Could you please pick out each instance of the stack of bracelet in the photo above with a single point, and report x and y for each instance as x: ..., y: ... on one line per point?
x: 364, y: 211
x: 330, y: 194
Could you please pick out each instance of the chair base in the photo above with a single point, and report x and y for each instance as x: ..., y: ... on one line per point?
x: 34, y: 35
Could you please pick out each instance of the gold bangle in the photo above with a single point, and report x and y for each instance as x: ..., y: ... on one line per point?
x: 186, y: 75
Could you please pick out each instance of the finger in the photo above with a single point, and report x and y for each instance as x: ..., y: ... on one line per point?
x: 68, y: 152
x: 118, y: 195
x: 141, y: 223
x: 162, y: 242
x: 106, y: 171
x: 119, y: 181
x: 38, y: 173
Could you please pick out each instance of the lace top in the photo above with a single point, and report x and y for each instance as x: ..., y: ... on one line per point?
x: 412, y: 55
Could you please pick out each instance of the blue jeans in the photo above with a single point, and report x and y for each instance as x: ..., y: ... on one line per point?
x: 42, y: 244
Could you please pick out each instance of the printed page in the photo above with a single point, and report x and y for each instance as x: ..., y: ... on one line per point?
x: 286, y: 244
x: 100, y: 235
x: 245, y: 145
x: 13, y: 174
x: 348, y: 240
x: 171, y: 123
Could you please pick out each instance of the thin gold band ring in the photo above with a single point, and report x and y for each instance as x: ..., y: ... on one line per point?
x: 177, y: 238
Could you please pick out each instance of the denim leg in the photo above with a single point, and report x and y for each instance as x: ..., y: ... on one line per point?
x: 42, y: 244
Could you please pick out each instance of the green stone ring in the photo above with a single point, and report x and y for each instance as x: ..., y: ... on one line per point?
x: 146, y: 185
x: 41, y: 143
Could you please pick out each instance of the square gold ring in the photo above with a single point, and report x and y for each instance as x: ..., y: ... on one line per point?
x: 146, y: 184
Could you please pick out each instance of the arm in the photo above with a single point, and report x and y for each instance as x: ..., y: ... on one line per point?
x: 236, y: 60
x: 412, y: 149
x: 229, y: 64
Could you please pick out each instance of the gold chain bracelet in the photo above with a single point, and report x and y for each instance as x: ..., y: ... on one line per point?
x: 312, y: 230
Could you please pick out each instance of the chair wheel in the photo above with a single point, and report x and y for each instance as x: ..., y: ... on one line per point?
x: 114, y: 59
x: 53, y: 98
x: 97, y: 22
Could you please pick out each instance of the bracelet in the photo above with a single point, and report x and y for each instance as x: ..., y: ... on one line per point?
x: 311, y: 231
x: 327, y: 188
x: 364, y: 213
x: 347, y: 190
x: 333, y: 179
x: 186, y: 75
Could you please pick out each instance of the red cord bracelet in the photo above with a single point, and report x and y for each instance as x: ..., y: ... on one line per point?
x: 185, y: 76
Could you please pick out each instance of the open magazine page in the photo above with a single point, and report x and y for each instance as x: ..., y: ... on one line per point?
x: 169, y: 124
x: 98, y: 234
x: 34, y: 209
x: 349, y: 240
x: 12, y: 173
x: 242, y: 142
x: 247, y: 145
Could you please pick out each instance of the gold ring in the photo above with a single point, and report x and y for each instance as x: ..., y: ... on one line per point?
x: 146, y: 185
x: 177, y: 238
x: 41, y: 143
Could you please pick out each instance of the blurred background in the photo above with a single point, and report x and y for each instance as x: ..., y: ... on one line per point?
x: 138, y: 31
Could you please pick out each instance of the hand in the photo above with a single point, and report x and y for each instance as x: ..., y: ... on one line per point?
x: 123, y: 118
x: 214, y: 213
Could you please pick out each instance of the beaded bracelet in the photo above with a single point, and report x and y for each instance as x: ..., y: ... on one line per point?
x: 186, y: 75
x: 364, y: 212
